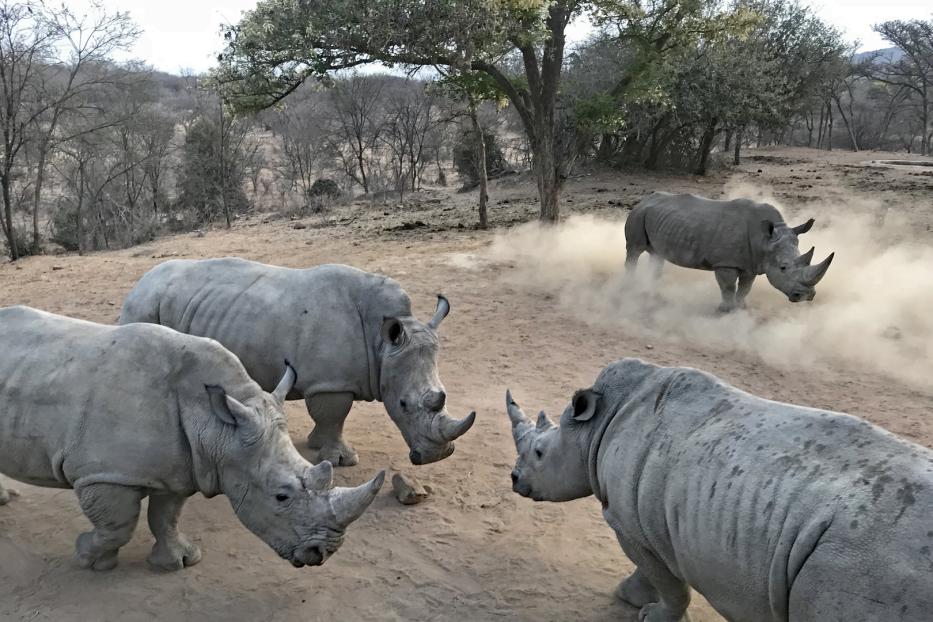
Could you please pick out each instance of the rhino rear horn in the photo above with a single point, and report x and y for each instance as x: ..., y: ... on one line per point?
x: 543, y: 423
x: 806, y: 258
x: 451, y: 429
x: 815, y: 273
x: 440, y: 312
x: 801, y: 229
x: 350, y: 503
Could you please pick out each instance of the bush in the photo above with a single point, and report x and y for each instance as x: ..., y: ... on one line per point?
x: 64, y: 228
x: 464, y: 155
x: 23, y: 238
x: 325, y: 188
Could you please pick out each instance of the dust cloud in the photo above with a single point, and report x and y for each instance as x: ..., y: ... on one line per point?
x: 872, y: 309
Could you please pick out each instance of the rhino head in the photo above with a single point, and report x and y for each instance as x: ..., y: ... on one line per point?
x: 787, y: 270
x: 551, y: 465
x: 278, y: 495
x: 411, y: 388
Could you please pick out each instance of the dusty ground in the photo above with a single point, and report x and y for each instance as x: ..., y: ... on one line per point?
x: 474, y: 551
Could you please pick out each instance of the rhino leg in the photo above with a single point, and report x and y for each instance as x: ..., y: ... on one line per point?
x: 329, y: 412
x: 674, y: 594
x: 746, y: 279
x: 631, y: 259
x: 657, y: 265
x: 636, y: 590
x: 172, y: 550
x: 5, y: 495
x: 726, y: 278
x: 114, y: 511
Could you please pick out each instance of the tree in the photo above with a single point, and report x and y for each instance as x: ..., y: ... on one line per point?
x: 281, y: 43
x: 913, y: 72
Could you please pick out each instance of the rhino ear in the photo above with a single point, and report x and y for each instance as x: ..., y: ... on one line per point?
x: 767, y: 227
x: 226, y: 408
x: 801, y: 229
x: 393, y: 333
x: 584, y: 404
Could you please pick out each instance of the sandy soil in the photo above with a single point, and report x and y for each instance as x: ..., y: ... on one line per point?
x: 474, y: 550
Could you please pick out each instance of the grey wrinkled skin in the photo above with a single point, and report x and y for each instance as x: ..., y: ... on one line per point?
x: 737, y: 240
x: 122, y: 413
x: 773, y: 512
x: 350, y: 335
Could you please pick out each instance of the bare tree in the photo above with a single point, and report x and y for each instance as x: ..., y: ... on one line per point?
x: 357, y: 103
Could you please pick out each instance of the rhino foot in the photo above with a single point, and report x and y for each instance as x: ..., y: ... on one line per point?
x: 637, y: 591
x: 658, y: 612
x: 175, y: 555
x: 725, y: 307
x: 88, y: 557
x: 338, y: 453
x: 6, y: 495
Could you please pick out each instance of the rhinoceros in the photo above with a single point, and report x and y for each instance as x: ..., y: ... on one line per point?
x: 350, y: 335
x: 122, y: 413
x: 737, y: 240
x: 773, y: 512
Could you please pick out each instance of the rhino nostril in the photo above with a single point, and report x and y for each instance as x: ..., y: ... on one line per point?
x: 435, y: 400
x: 514, y: 478
x: 415, y: 457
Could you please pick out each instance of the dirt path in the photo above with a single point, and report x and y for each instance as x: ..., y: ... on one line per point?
x: 474, y: 551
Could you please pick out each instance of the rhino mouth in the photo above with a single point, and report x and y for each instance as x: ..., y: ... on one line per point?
x: 419, y: 457
x: 310, y: 555
x: 802, y: 297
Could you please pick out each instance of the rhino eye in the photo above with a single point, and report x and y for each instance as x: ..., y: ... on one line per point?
x: 783, y: 268
x: 282, y: 497
x: 538, y: 454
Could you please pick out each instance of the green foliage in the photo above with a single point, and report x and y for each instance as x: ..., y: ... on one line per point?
x: 211, y: 173
x: 465, y: 157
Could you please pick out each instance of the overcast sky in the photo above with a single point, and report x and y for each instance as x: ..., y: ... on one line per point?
x: 184, y: 34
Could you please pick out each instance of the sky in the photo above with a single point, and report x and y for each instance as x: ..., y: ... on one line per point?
x: 184, y: 35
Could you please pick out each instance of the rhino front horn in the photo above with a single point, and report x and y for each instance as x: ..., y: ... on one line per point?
x: 521, y: 424
x: 817, y: 272
x: 350, y: 503
x: 451, y: 429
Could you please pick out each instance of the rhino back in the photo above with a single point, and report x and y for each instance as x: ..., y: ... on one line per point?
x: 736, y: 493
x: 83, y: 402
x: 695, y: 232
x: 324, y: 320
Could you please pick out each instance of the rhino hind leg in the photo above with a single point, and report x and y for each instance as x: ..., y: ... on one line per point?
x: 726, y: 278
x: 172, y: 550
x: 637, y: 590
x: 114, y: 512
x: 329, y: 412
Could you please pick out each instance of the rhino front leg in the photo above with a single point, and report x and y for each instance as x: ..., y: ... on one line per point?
x: 637, y: 590
x: 5, y: 494
x: 673, y: 594
x: 114, y: 512
x: 726, y: 277
x: 746, y: 279
x: 329, y: 412
x: 172, y: 550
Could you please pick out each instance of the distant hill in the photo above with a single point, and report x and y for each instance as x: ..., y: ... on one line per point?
x: 887, y: 54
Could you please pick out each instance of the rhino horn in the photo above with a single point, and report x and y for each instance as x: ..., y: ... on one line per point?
x: 451, y: 429
x: 543, y: 422
x: 806, y: 258
x: 286, y: 383
x: 443, y: 308
x: 521, y: 425
x: 350, y: 503
x: 801, y: 229
x: 815, y: 273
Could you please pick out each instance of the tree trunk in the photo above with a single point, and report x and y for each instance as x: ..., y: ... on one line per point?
x: 545, y: 166
x: 848, y: 125
x: 37, y: 196
x: 728, y: 141
x: 480, y: 167
x: 8, y: 227
x: 706, y: 145
x: 736, y: 157
x: 829, y: 128
x: 819, y: 138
